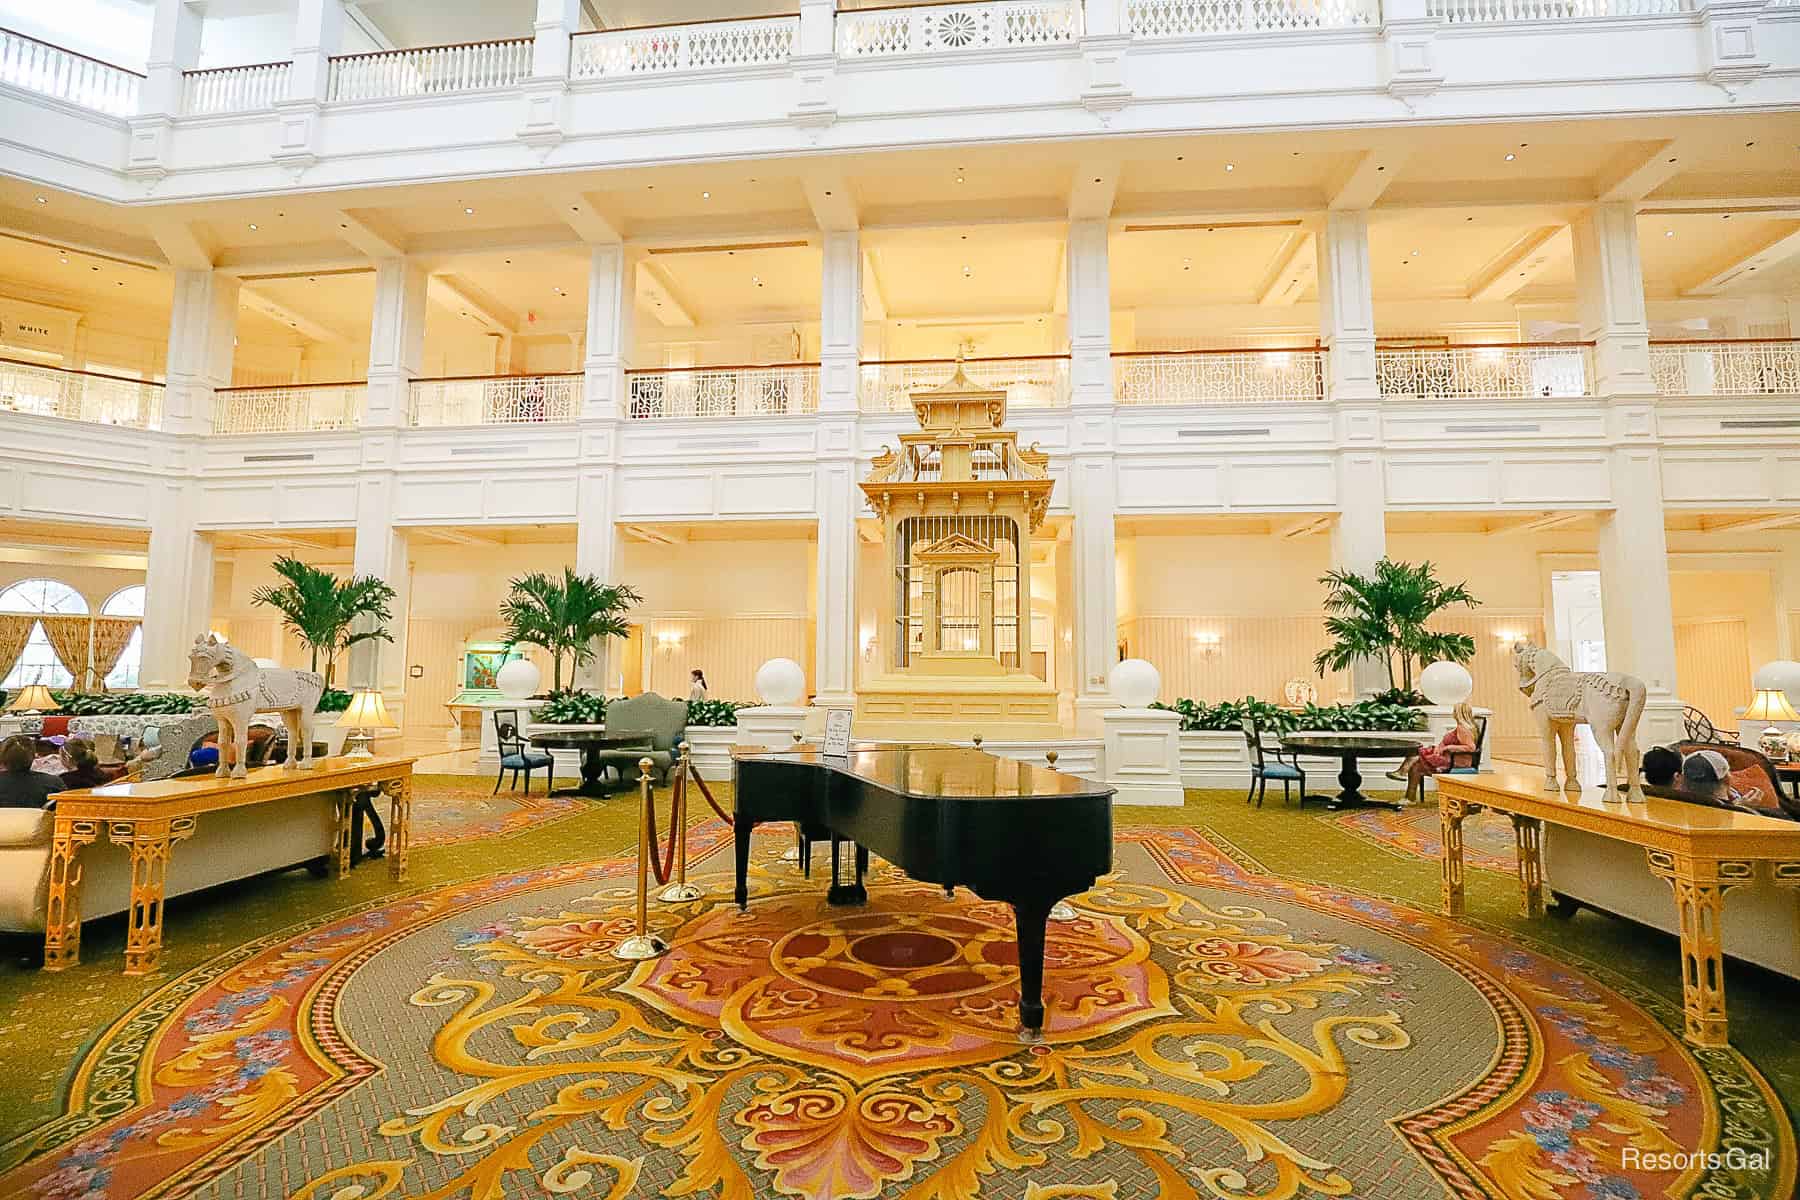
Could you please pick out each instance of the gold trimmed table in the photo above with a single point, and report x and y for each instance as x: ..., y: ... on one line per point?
x: 1699, y: 851
x: 148, y: 819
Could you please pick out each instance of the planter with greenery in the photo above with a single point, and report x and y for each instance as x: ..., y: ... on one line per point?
x: 565, y: 616
x: 328, y: 614
x: 127, y: 704
x: 1227, y: 716
x: 1382, y: 616
x: 571, y: 707
x: 714, y: 713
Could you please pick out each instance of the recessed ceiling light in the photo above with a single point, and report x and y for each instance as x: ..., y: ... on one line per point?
x: 1724, y: 216
x: 43, y: 199
x: 343, y: 225
x: 967, y: 271
x: 121, y: 283
x: 1179, y: 157
x: 253, y: 226
x: 1096, y: 179
x: 1747, y: 145
x: 507, y: 261
x: 1231, y: 166
x: 1672, y: 160
x: 1510, y: 157
x: 1668, y: 233
x: 959, y: 179
x: 706, y: 195
x: 1415, y: 254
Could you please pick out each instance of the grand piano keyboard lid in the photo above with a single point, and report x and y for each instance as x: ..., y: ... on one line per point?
x: 935, y: 769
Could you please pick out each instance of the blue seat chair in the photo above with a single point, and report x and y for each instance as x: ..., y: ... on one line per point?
x: 1468, y: 762
x: 517, y: 755
x: 1262, y: 769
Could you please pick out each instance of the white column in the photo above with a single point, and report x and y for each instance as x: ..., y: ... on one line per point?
x: 814, y: 63
x: 840, y: 322
x: 202, y: 324
x: 818, y: 27
x: 839, y: 501
x: 1090, y: 314
x: 381, y: 550
x: 557, y: 21
x: 1093, y: 486
x: 174, y: 48
x: 1634, y: 551
x: 396, y: 341
x: 318, y: 30
x: 178, y: 585
x: 598, y: 553
x: 612, y: 305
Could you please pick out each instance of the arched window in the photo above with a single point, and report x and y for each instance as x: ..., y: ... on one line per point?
x: 39, y: 663
x: 126, y: 602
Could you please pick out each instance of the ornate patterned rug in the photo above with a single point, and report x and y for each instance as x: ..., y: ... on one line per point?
x: 1416, y: 831
x: 1213, y: 1034
x: 468, y: 809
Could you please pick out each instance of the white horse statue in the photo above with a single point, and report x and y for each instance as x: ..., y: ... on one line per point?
x: 1610, y: 704
x: 238, y: 689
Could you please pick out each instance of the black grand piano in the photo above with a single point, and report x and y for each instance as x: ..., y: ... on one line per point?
x: 1006, y: 830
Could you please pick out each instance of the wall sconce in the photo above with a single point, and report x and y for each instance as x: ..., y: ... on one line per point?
x: 1206, y: 644
x: 868, y: 643
x: 668, y: 641
x: 1508, y: 638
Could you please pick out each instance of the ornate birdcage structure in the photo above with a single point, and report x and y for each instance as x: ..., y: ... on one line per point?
x: 959, y: 502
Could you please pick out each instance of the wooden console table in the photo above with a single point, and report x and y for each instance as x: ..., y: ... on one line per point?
x: 150, y: 818
x: 1701, y: 852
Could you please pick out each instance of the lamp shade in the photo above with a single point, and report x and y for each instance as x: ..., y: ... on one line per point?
x: 1782, y: 673
x: 1446, y: 682
x: 32, y: 698
x: 367, y: 711
x: 1770, y: 704
x: 518, y: 679
x: 780, y: 682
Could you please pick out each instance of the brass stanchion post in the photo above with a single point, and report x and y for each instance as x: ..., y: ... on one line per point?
x: 1062, y: 910
x: 643, y: 944
x: 680, y: 891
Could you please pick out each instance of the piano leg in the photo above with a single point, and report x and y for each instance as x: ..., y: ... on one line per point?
x: 1029, y: 920
x: 741, y: 830
x: 847, y: 893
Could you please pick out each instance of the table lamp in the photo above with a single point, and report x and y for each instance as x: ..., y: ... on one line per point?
x: 1771, y: 704
x: 367, y: 711
x: 31, y: 702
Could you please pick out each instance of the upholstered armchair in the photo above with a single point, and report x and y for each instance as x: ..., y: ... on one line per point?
x: 661, y: 720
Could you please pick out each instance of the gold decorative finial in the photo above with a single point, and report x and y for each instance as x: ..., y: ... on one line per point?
x: 1050, y: 757
x: 977, y: 740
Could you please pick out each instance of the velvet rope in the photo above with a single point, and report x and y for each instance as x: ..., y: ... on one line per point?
x: 677, y: 817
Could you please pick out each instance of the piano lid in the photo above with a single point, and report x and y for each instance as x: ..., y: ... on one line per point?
x: 953, y: 772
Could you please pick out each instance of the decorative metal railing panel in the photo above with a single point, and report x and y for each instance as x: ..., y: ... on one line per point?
x: 495, y: 400
x: 659, y: 49
x: 430, y: 70
x: 1199, y: 18
x: 234, y: 89
x: 723, y: 392
x: 1489, y: 12
x: 949, y: 28
x: 1028, y: 382
x: 52, y: 71
x: 1519, y: 371
x: 299, y: 408
x: 1219, y: 377
x: 1760, y: 367
x: 79, y: 395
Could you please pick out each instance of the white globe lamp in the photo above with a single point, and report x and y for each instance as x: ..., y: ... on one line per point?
x: 1446, y: 683
x: 1782, y: 675
x: 780, y: 682
x: 518, y: 679
x: 1134, y: 683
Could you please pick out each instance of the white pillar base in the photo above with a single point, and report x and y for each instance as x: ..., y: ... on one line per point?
x: 1143, y: 756
x: 770, y: 726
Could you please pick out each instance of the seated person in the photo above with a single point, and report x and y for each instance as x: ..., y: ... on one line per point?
x: 47, y: 756
x: 84, y: 769
x: 259, y: 740
x: 1661, y: 764
x: 205, y: 753
x: 1430, y: 760
x: 20, y: 786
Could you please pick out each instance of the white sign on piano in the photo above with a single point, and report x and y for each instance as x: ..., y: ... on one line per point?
x: 837, y: 732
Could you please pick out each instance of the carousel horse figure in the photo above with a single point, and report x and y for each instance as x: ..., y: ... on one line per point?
x: 1609, y: 703
x: 237, y: 689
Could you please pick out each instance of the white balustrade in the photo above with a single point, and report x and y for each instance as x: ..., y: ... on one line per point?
x: 1520, y: 371
x: 1200, y: 18
x: 430, y: 70
x: 1491, y: 12
x: 495, y: 400
x: 949, y: 28
x: 1028, y: 382
x: 1219, y: 377
x: 52, y: 71
x: 659, y: 49
x: 1760, y: 367
x: 297, y: 408
x: 724, y: 392
x: 79, y: 395
x: 233, y: 89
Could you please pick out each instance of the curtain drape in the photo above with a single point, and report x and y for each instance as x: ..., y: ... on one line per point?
x: 69, y: 638
x: 111, y: 636
x: 15, y: 631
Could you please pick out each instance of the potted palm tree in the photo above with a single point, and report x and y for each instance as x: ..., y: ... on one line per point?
x: 565, y: 616
x: 328, y: 614
x: 1382, y: 616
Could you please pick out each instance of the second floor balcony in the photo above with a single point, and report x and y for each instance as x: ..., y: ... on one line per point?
x: 89, y: 396
x: 494, y: 400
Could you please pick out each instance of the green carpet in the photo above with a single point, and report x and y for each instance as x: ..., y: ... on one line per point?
x: 50, y: 1020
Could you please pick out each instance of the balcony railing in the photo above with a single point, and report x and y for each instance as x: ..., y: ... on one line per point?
x: 52, y: 71
x: 953, y: 28
x: 1219, y: 376
x: 494, y: 400
x: 293, y: 408
x: 1735, y: 367
x: 1200, y: 18
x: 1515, y: 371
x: 79, y: 395
x: 786, y: 390
x: 1490, y: 12
x: 234, y: 89
x: 430, y: 70
x: 1029, y: 382
x: 661, y: 49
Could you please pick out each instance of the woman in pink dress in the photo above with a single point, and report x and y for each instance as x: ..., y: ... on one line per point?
x: 1430, y: 760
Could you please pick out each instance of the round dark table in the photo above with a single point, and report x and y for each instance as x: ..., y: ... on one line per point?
x: 590, y: 742
x: 1349, y: 747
